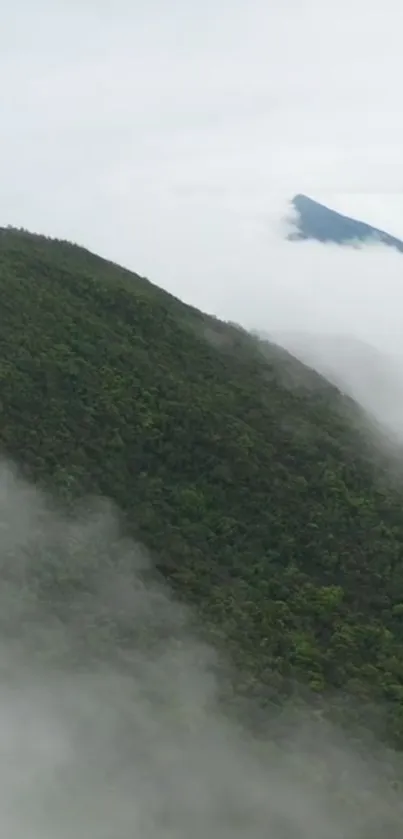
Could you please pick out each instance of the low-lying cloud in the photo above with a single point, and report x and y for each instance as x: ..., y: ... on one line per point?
x: 339, y: 309
x: 109, y: 719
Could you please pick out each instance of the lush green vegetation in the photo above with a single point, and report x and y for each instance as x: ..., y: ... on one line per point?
x: 245, y: 473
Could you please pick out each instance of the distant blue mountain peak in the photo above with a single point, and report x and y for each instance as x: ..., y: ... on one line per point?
x: 312, y: 220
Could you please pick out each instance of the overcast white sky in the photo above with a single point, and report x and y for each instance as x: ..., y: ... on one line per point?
x: 169, y: 134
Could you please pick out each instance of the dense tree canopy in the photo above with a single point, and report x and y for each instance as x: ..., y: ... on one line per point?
x: 245, y: 474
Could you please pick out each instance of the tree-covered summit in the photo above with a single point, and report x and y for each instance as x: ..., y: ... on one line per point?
x: 246, y: 474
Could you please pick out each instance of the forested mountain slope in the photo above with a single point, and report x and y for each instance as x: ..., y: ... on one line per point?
x: 241, y: 470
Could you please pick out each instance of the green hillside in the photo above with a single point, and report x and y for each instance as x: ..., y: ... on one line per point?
x: 242, y: 471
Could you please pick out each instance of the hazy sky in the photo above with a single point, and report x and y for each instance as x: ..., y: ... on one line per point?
x: 169, y: 135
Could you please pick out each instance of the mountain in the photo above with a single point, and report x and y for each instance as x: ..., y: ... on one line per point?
x: 247, y: 475
x: 312, y: 220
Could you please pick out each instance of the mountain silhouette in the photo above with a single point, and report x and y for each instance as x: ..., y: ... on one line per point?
x: 312, y: 220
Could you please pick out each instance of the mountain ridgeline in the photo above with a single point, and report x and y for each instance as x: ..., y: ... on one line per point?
x: 248, y: 477
x: 316, y: 221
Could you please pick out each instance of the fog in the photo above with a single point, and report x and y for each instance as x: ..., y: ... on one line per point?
x: 110, y: 724
x: 339, y: 309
